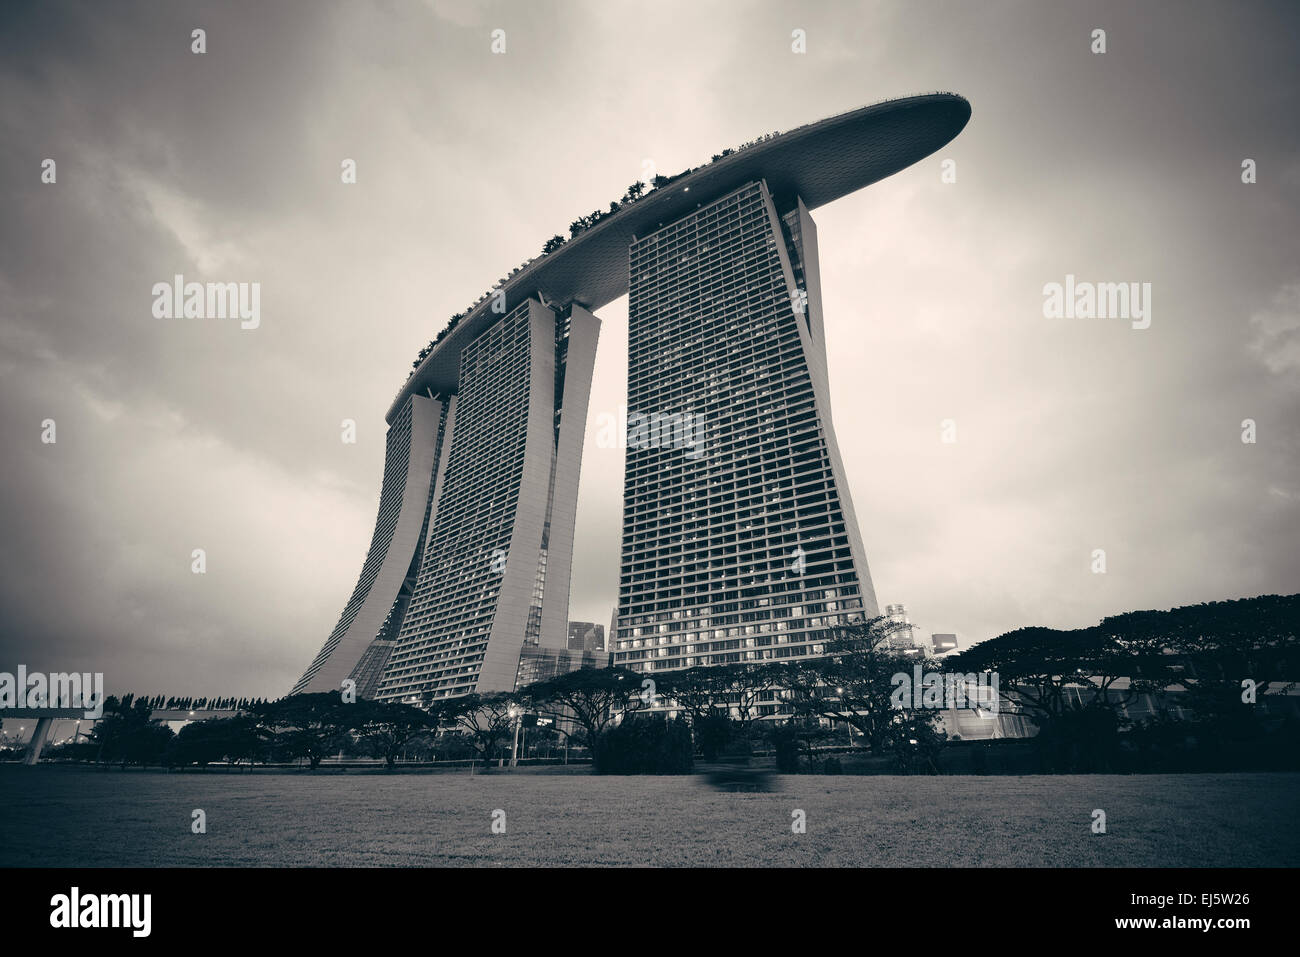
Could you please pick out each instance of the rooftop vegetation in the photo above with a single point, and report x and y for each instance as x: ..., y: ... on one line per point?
x: 632, y: 194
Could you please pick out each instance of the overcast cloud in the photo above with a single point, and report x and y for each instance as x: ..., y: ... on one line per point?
x: 1072, y: 434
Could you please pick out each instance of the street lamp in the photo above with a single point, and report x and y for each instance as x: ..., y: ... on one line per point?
x: 514, y: 751
x: 848, y: 726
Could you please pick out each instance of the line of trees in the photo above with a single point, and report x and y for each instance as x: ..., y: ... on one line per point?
x: 1074, y: 686
x: 310, y: 727
x: 164, y: 703
x: 307, y: 727
x: 792, y: 706
x: 718, y: 711
x: 1204, y: 668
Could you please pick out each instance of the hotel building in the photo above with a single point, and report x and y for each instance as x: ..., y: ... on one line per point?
x: 740, y: 541
x: 745, y: 548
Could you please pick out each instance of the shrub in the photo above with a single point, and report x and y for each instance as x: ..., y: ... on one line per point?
x: 785, y: 745
x: 712, y: 734
x: 646, y: 744
x: 1083, y: 740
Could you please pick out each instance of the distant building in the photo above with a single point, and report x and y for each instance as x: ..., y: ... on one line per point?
x: 981, y: 724
x: 371, y: 667
x: 586, y: 636
x: 944, y: 643
x: 902, y: 633
x: 538, y: 664
x: 740, y: 542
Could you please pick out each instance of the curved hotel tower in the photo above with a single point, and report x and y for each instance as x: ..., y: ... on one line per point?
x: 740, y: 541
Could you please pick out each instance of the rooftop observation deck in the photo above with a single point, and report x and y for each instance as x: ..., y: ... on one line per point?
x: 819, y: 162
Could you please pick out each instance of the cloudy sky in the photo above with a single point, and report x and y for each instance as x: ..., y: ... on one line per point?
x: 1072, y: 434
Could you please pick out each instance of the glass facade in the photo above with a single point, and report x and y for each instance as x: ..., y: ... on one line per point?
x: 443, y: 641
x: 358, y: 646
x: 738, y: 545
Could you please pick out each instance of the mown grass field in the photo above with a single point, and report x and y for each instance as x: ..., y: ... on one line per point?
x: 74, y: 817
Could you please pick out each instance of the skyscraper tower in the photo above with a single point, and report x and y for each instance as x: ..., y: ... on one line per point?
x: 744, y: 545
x: 500, y: 548
x: 359, y: 646
x: 740, y: 542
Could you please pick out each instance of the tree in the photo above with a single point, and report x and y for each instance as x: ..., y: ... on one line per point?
x: 697, y: 691
x: 645, y: 743
x: 1046, y: 672
x: 308, y: 725
x: 453, y: 745
x: 741, y: 687
x: 196, y: 744
x: 219, y: 739
x: 916, y: 746
x: 1207, y: 649
x: 127, y: 734
x: 1063, y: 682
x: 487, y: 719
x: 149, y: 744
x: 853, y: 682
x: 790, y: 737
x: 721, y: 701
x: 711, y: 732
x: 245, y: 738
x: 1068, y: 682
x: 592, y: 696
x: 385, y: 728
x: 1213, y: 648
x: 1223, y: 654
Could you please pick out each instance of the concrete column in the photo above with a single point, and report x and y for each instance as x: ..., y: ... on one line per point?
x: 584, y: 332
x: 37, y: 743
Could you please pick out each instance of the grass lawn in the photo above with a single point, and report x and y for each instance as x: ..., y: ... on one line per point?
x: 74, y: 817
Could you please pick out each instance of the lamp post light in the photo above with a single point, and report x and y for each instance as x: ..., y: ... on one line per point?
x: 848, y: 727
x: 514, y: 751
